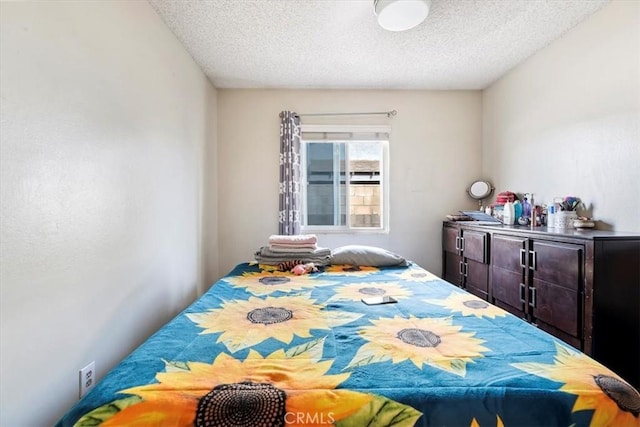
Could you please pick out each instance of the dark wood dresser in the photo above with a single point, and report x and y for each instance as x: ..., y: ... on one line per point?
x: 582, y: 286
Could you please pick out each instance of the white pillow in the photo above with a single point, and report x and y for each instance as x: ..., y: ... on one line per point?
x: 366, y: 256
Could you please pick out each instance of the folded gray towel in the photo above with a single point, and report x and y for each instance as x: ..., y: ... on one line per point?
x: 265, y: 251
x: 320, y: 257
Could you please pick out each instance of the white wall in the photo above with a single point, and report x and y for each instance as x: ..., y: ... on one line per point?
x: 105, y: 126
x: 435, y: 150
x: 567, y: 121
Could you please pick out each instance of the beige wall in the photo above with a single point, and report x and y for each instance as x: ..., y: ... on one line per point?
x: 435, y: 151
x: 105, y: 123
x: 567, y: 121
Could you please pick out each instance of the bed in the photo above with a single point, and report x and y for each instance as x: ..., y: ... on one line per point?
x: 268, y: 348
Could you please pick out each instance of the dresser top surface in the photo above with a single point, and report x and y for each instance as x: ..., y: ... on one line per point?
x: 588, y: 234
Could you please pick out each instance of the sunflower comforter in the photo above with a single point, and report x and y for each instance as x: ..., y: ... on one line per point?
x: 267, y: 348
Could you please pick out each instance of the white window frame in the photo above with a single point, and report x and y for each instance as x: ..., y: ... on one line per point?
x: 384, y: 179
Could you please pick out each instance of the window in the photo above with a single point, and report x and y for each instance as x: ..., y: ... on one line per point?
x: 344, y: 178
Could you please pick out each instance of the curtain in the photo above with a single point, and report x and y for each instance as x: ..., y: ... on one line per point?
x: 289, y: 215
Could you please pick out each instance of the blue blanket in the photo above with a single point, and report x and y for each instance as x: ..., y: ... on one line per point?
x: 268, y: 348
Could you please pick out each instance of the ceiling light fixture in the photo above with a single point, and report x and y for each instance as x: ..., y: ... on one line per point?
x: 401, y: 15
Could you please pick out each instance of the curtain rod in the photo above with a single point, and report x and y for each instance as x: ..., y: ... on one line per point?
x: 386, y: 113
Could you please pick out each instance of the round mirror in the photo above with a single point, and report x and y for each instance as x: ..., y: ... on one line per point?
x: 480, y: 189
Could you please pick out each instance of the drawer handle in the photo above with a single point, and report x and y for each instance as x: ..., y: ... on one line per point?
x: 534, y: 260
x: 485, y: 257
x: 466, y: 269
x: 462, y: 244
x: 457, y: 243
x: 532, y: 303
x: 461, y: 268
x: 522, y: 256
x: 522, y: 291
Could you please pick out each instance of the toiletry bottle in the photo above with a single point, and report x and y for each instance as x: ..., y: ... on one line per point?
x: 517, y: 211
x: 551, y: 216
x: 534, y: 220
x: 526, y: 208
x: 508, y: 214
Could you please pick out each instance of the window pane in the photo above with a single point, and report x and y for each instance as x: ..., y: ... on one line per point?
x: 365, y: 165
x: 345, y: 186
x: 326, y: 195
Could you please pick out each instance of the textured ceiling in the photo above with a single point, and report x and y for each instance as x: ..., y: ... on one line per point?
x: 337, y: 44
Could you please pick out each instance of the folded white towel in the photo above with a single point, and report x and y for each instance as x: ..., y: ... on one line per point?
x: 295, y: 239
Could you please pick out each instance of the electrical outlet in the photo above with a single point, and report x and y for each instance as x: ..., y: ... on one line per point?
x: 87, y: 378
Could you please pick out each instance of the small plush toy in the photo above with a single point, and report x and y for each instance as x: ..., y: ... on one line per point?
x: 298, y: 267
x: 288, y: 265
x: 301, y: 269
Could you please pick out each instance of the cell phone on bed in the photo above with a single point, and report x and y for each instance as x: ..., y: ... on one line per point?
x: 379, y: 300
